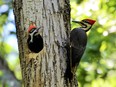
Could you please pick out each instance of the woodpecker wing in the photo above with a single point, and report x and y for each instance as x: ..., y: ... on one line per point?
x: 78, y: 43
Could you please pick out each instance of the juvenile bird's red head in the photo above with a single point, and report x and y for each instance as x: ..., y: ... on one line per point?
x: 32, y: 26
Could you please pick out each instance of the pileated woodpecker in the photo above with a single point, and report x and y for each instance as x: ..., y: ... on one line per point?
x: 34, y: 41
x: 78, y: 41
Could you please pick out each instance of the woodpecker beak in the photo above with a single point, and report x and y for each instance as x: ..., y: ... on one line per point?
x: 76, y: 21
x: 38, y: 29
x: 79, y: 22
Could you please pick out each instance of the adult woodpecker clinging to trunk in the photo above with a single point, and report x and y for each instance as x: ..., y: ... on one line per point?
x: 78, y: 41
x: 34, y: 41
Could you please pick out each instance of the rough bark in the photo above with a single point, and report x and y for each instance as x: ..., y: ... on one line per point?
x: 47, y: 68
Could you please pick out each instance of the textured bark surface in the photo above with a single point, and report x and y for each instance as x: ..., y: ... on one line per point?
x: 47, y: 68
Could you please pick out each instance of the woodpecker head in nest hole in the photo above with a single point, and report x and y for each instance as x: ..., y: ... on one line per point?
x: 35, y: 40
x: 33, y: 31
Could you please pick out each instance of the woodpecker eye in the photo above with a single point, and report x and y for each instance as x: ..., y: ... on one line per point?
x: 86, y: 21
x: 83, y: 25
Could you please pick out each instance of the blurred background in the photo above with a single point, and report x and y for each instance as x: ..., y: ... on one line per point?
x: 98, y: 65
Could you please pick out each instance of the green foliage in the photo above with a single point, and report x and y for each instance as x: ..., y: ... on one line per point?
x: 97, y: 67
x: 9, y: 63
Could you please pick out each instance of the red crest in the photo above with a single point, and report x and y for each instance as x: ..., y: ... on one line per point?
x: 90, y: 21
x: 31, y: 27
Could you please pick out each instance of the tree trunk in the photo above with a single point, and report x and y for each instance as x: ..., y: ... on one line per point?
x: 46, y: 68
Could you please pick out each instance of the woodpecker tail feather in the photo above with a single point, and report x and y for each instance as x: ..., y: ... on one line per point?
x: 68, y: 73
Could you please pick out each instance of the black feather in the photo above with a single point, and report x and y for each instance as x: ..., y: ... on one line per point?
x: 37, y: 44
x: 78, y: 41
